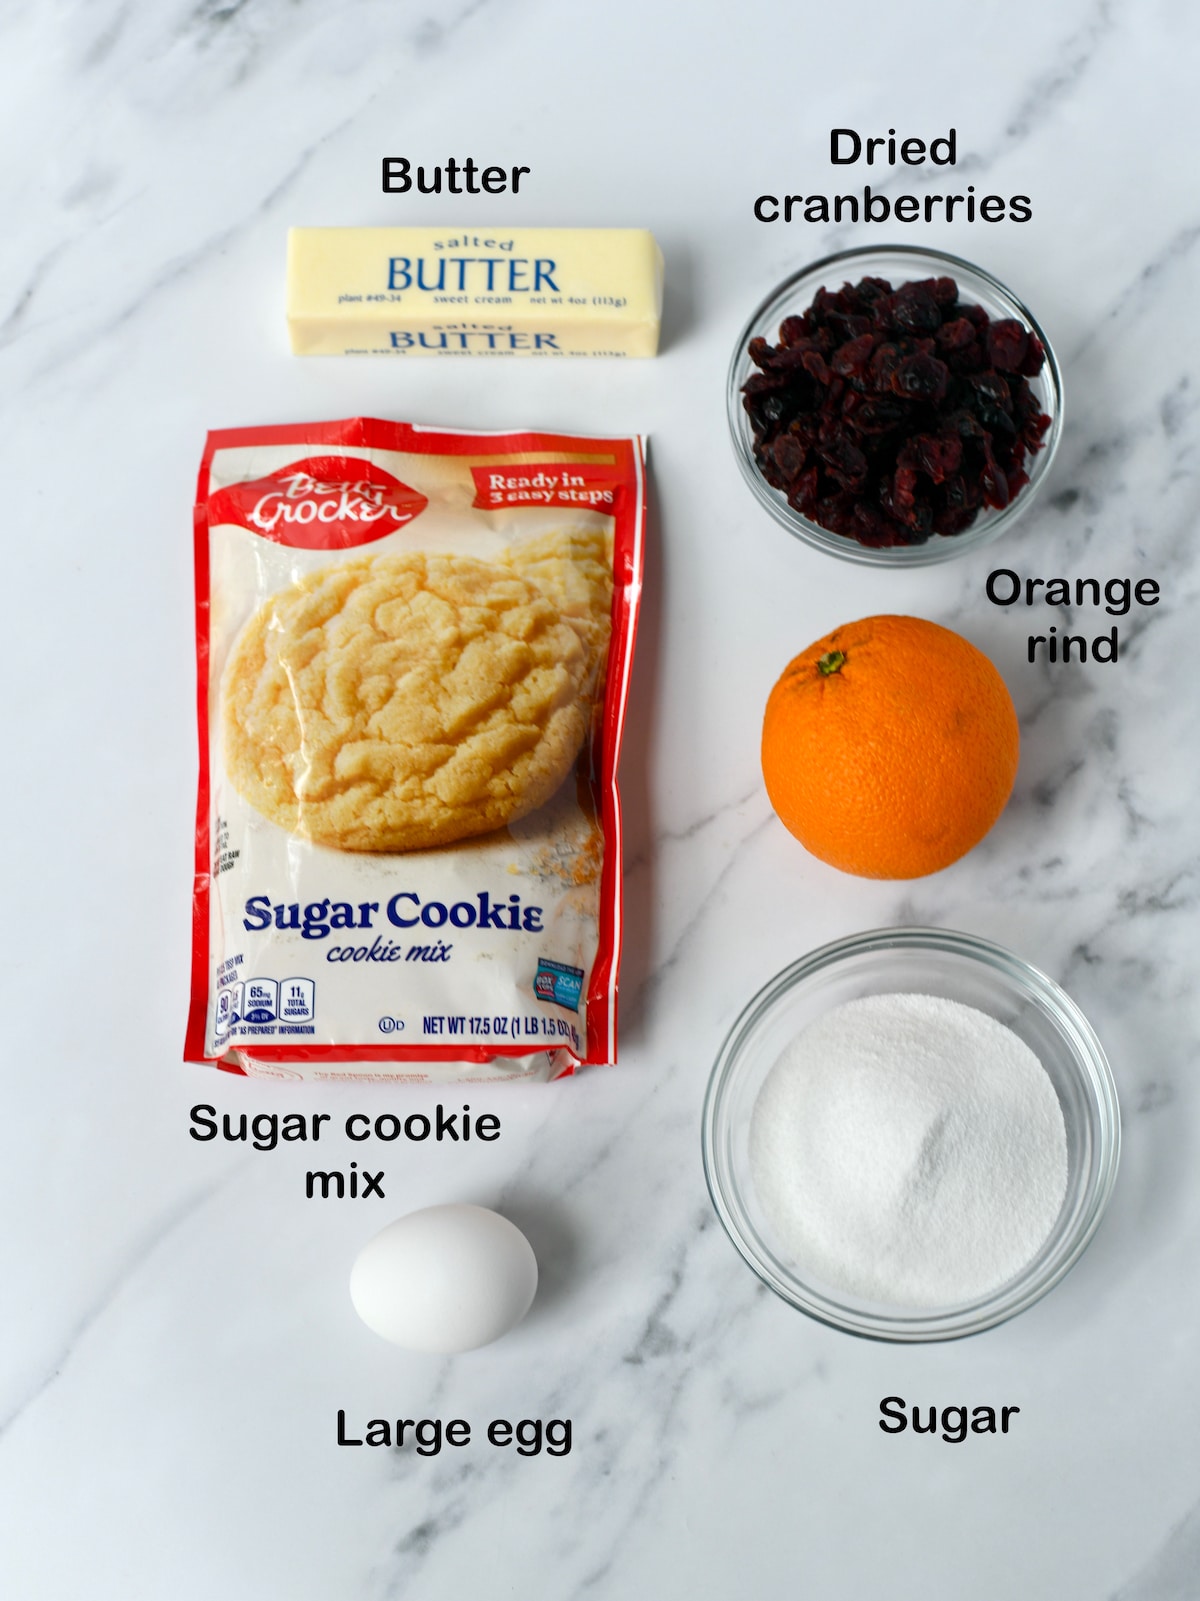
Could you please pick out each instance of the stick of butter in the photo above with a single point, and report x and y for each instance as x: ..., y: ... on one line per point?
x: 468, y: 292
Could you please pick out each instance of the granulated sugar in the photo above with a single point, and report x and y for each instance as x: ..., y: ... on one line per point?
x: 910, y: 1150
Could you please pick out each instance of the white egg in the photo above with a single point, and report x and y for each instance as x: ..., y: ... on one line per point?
x: 449, y: 1278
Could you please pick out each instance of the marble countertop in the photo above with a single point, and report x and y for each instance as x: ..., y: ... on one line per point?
x: 176, y: 1337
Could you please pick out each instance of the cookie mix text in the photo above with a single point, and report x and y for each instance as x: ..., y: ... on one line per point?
x: 318, y: 919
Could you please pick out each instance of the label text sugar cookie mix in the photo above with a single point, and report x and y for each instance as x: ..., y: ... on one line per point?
x: 414, y: 650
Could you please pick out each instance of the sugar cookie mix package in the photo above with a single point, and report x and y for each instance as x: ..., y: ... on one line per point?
x: 414, y: 649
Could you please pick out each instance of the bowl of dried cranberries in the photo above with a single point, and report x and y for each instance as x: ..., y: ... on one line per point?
x: 894, y: 406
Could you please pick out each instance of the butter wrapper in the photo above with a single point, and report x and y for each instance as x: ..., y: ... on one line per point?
x: 468, y: 292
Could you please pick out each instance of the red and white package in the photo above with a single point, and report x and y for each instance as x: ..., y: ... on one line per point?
x: 414, y: 650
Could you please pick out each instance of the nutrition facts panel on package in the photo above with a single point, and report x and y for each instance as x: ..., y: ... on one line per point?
x: 266, y: 1002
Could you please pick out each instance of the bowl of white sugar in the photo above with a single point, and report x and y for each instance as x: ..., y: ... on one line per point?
x: 911, y: 1134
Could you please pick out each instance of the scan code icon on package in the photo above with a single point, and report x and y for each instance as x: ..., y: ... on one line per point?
x: 555, y: 981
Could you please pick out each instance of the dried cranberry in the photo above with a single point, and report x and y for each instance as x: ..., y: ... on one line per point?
x: 998, y: 422
x: 1035, y: 355
x: 879, y: 416
x: 759, y: 383
x: 915, y: 310
x: 1034, y: 429
x: 803, y: 493
x: 937, y: 455
x: 850, y: 361
x: 888, y: 415
x: 956, y: 335
x: 845, y: 461
x: 816, y: 365
x: 789, y: 455
x: 993, y: 388
x: 1007, y: 344
x: 921, y: 378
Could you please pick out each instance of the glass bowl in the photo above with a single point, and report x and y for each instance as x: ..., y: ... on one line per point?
x: 923, y: 961
x: 899, y: 264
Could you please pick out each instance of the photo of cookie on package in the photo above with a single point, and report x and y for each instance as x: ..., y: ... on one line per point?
x: 414, y: 651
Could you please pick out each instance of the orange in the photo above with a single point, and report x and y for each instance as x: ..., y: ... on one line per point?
x: 890, y: 747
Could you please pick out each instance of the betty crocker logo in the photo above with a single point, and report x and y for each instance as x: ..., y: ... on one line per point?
x: 320, y: 503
